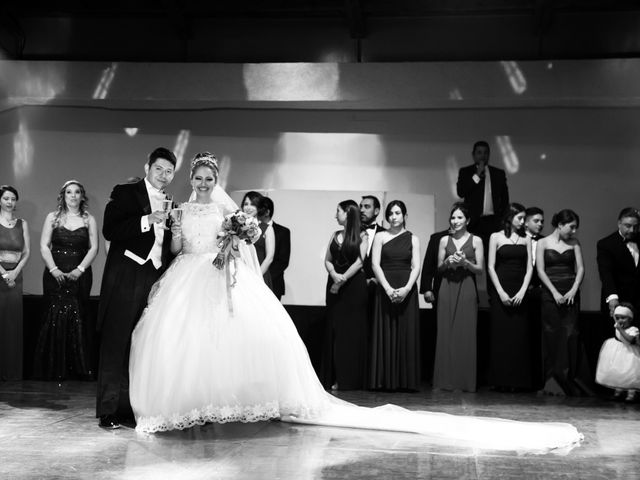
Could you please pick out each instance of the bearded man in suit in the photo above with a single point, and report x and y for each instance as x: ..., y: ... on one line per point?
x: 369, y: 211
x: 282, y: 251
x: 134, y: 223
x: 617, y: 257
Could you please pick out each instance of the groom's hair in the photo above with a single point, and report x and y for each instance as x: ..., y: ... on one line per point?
x: 163, y: 153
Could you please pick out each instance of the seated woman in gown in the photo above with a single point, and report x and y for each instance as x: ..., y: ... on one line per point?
x: 215, y: 345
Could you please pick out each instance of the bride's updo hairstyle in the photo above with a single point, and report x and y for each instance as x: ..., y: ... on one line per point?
x: 204, y: 159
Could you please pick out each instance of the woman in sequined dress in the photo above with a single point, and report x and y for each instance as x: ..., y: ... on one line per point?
x: 68, y: 245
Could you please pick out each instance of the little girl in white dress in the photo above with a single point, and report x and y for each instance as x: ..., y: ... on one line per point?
x: 619, y: 361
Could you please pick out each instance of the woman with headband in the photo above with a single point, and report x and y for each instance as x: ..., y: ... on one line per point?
x: 69, y: 244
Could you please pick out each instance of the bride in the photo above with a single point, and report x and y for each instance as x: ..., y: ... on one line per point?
x: 212, y: 349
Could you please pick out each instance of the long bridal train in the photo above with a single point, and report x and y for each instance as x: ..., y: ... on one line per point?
x: 207, y: 351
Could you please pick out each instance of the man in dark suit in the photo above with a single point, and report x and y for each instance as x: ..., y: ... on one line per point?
x: 533, y: 225
x: 282, y: 249
x: 369, y: 210
x: 485, y: 192
x: 617, y: 257
x: 134, y: 223
x: 430, y: 277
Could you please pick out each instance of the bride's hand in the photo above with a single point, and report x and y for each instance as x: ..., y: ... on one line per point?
x: 176, y: 229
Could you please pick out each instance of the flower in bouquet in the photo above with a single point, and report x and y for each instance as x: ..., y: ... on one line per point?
x: 237, y: 227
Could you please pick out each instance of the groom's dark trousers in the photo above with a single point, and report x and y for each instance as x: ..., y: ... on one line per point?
x: 123, y: 295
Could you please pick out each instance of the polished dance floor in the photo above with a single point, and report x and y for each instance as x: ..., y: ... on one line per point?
x: 48, y: 430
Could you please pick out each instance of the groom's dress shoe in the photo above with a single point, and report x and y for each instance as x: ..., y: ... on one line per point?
x: 109, y: 421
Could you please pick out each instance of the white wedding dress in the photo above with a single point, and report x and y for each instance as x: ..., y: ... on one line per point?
x: 206, y: 351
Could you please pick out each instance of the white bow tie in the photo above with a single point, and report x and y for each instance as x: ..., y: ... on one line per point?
x: 157, y: 194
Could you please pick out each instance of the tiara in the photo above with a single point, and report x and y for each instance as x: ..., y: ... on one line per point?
x: 205, y: 158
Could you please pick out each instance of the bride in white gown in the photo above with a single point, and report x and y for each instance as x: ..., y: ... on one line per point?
x: 209, y: 351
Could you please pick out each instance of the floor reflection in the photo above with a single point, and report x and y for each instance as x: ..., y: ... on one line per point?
x: 38, y: 439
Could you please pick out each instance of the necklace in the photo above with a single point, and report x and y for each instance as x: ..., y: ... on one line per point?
x: 72, y: 214
x: 10, y: 223
x: 515, y: 242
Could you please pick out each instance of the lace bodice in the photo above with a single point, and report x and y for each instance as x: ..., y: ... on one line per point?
x: 200, y: 227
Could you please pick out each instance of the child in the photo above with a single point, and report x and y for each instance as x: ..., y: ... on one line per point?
x: 619, y: 361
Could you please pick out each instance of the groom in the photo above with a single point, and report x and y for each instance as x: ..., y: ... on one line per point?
x: 139, y: 252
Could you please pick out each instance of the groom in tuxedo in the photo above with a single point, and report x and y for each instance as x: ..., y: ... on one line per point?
x: 618, y: 265
x: 134, y: 223
x: 282, y: 250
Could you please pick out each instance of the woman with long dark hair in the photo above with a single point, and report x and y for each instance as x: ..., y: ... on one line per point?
x: 561, y: 270
x: 510, y: 269
x: 460, y: 259
x: 346, y: 297
x: 266, y: 244
x: 395, y: 339
x: 68, y: 245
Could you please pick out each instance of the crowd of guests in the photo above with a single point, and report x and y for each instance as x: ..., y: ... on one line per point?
x: 372, y: 336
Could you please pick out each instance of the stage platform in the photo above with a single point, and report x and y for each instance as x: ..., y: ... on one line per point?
x: 48, y: 431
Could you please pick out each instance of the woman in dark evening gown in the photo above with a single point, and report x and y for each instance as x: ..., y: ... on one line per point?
x: 14, y: 253
x: 69, y: 244
x: 395, y: 339
x: 460, y: 259
x: 266, y: 245
x: 560, y: 268
x: 510, y: 269
x: 343, y: 363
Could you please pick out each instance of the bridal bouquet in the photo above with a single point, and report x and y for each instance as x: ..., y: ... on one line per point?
x: 237, y: 227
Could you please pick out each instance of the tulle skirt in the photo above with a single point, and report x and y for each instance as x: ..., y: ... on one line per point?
x: 618, y: 365
x: 206, y: 351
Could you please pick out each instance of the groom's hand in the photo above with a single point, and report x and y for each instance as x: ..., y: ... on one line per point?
x: 157, y: 217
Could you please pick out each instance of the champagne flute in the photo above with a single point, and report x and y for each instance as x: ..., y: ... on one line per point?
x: 167, y: 203
x: 176, y: 214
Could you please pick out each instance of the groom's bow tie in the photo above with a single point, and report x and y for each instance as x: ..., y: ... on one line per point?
x: 368, y: 227
x: 157, y: 194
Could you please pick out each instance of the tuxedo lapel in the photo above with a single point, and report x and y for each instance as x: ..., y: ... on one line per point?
x: 142, y: 197
x: 623, y: 251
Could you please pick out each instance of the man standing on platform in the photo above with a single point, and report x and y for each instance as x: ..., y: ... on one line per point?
x: 134, y: 223
x: 282, y: 249
x: 617, y: 256
x: 485, y: 192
